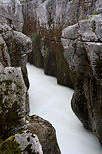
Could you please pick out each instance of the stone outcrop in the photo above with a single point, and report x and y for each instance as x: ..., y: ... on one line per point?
x: 44, y: 22
x: 19, y: 133
x: 37, y: 137
x: 82, y: 43
x: 81, y: 39
x: 46, y: 134
x: 12, y: 105
x: 14, y: 47
x: 79, y: 60
x: 11, y: 14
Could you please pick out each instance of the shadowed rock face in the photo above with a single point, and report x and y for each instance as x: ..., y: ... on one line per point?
x: 44, y: 22
x: 82, y: 43
x: 15, y: 122
x: 14, y: 103
x: 83, y: 50
x: 14, y: 47
x: 47, y: 23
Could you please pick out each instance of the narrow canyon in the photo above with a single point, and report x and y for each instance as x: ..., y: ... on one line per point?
x: 40, y: 114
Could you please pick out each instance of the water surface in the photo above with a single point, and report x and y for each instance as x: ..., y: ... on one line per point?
x: 52, y: 102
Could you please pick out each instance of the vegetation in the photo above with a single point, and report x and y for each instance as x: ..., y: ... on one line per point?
x: 10, y: 146
x: 87, y: 18
x: 35, y: 38
x: 95, y: 13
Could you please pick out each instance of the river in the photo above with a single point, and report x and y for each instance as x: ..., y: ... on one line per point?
x: 52, y: 102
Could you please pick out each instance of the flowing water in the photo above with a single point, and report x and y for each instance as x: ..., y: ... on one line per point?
x: 52, y: 102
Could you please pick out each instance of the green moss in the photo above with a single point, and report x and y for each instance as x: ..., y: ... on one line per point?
x: 87, y: 18
x: 8, y: 82
x: 35, y: 38
x: 95, y: 13
x: 10, y: 146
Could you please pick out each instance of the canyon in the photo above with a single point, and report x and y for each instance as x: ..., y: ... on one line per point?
x: 65, y: 38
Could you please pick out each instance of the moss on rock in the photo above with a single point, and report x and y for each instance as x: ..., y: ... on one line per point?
x: 10, y: 146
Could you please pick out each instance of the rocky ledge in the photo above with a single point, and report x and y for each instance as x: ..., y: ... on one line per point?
x: 37, y: 137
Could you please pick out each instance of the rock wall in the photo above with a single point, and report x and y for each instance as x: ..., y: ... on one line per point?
x: 81, y: 39
x: 82, y: 43
x: 19, y: 133
x: 44, y: 23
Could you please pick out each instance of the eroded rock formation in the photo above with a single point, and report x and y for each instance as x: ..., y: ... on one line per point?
x: 44, y: 22
x: 81, y: 38
x: 19, y: 133
x: 83, y: 50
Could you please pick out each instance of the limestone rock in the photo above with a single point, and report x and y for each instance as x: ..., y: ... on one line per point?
x: 84, y: 55
x: 29, y: 143
x: 14, y: 47
x: 21, y: 143
x: 15, y: 123
x: 46, y: 134
x: 47, y: 19
x: 37, y: 137
x: 11, y: 14
x: 4, y: 55
x: 98, y: 5
x: 12, y: 105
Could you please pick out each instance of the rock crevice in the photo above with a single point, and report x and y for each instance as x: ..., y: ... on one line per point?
x: 84, y: 55
x: 19, y: 133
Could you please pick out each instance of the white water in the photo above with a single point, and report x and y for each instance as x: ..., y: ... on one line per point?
x: 52, y: 102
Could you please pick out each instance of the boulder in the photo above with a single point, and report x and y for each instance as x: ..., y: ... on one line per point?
x: 37, y: 137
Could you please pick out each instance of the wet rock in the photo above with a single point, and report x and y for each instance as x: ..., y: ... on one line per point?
x: 46, y: 134
x: 83, y: 52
